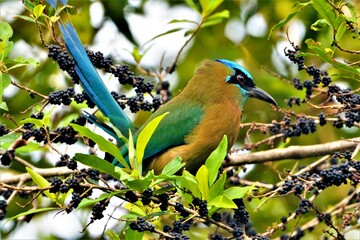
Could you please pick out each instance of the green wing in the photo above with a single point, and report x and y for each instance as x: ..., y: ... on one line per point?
x: 174, y: 127
x: 182, y: 118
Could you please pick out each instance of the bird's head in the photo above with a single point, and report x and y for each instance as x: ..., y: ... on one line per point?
x: 244, y: 81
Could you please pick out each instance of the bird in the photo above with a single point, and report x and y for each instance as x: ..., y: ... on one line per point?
x: 209, y: 107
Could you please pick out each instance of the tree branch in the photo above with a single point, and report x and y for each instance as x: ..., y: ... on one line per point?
x: 293, y: 152
x: 45, y: 172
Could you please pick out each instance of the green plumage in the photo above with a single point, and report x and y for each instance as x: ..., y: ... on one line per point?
x: 198, y: 118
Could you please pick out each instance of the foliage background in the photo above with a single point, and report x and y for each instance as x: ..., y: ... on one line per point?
x: 243, y: 38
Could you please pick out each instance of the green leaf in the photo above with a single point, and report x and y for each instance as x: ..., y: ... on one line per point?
x: 190, y: 183
x: 215, y: 159
x: 5, y: 81
x: 134, y: 209
x: 41, y: 182
x: 89, y: 202
x: 341, y: 29
x: 288, y: 18
x: 32, y: 211
x: 104, y: 145
x: 208, y: 6
x: 136, y: 55
x: 319, y: 25
x: 38, y: 10
x: 112, y: 234
x: 192, y: 4
x: 163, y: 34
x: 182, y: 21
x: 26, y: 18
x: 131, y: 150
x: 133, y: 235
x: 173, y: 166
x: 97, y: 163
x: 144, y: 137
x: 237, y: 192
x: 223, y: 14
x: 138, y: 184
x: 21, y: 61
x: 36, y: 122
x: 202, y: 177
x: 222, y: 201
x: 218, y: 187
x: 326, y: 11
x: 324, y: 55
x: 6, y: 31
x: 4, y: 106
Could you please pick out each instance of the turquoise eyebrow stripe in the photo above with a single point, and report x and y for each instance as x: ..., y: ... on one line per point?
x: 234, y: 66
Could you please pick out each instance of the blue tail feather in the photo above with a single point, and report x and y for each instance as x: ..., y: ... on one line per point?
x: 91, y: 82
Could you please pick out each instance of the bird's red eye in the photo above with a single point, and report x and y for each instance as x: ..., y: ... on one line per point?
x: 240, y: 79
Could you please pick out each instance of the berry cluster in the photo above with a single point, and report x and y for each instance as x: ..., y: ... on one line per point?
x: 66, y: 161
x: 349, y: 99
x: 292, y: 55
x: 98, y: 209
x: 293, y: 101
x: 141, y: 225
x: 335, y: 175
x: 62, y: 97
x: 131, y: 196
x: 60, y: 135
x: 7, y: 157
x: 74, y: 182
x: 146, y: 196
x: 302, y: 126
x: 122, y: 73
x: 299, y: 233
x: 201, y: 205
x: 3, y: 211
x: 3, y: 130
x: 64, y: 60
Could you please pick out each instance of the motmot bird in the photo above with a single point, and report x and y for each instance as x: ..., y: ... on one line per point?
x: 209, y: 107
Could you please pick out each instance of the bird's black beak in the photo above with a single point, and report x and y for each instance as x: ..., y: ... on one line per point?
x: 258, y: 93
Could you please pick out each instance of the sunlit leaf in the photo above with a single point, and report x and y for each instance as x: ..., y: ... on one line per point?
x: 190, y: 183
x: 112, y: 234
x: 164, y: 34
x: 326, y: 11
x: 41, y: 182
x: 237, y: 192
x: 182, y: 21
x: 6, y: 31
x: 97, y: 163
x: 89, y: 202
x: 32, y: 211
x: 173, y: 166
x: 202, y: 177
x: 288, y: 18
x: 131, y: 150
x: 38, y: 10
x: 104, y: 145
x: 218, y: 187
x: 215, y: 159
x: 145, y: 136
x: 319, y: 25
x: 192, y: 4
x: 222, y: 201
x: 327, y: 56
x: 5, y: 81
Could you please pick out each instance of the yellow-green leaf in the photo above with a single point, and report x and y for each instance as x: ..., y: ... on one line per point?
x: 41, y: 182
x: 104, y: 145
x: 131, y: 150
x: 38, y: 10
x: 202, y: 177
x: 145, y: 136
